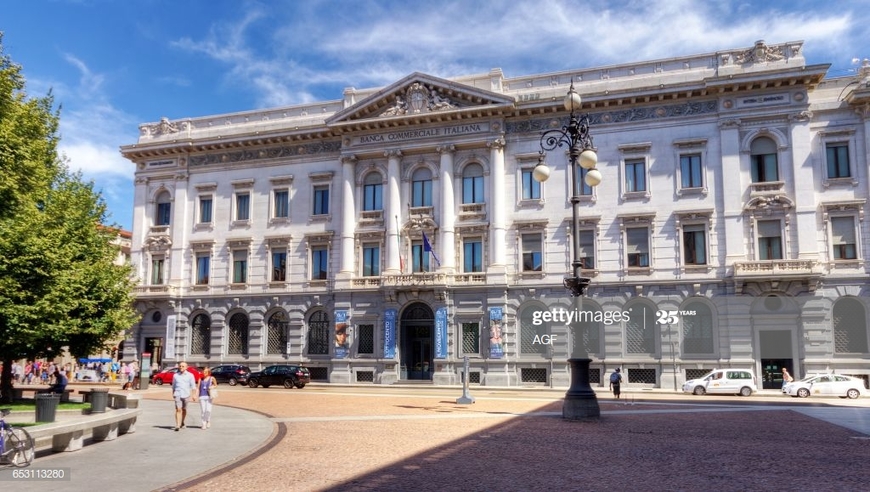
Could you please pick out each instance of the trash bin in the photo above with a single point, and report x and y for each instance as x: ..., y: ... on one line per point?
x: 46, y: 406
x: 99, y: 400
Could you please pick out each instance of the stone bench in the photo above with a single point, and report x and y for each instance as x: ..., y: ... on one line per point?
x: 69, y: 435
x: 18, y: 393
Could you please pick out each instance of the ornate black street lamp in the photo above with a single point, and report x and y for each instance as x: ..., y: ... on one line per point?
x: 580, y: 400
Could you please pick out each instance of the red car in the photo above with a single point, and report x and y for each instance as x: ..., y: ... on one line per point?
x: 165, y: 376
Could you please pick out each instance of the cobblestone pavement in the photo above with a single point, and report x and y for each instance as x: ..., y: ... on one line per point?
x: 363, y: 439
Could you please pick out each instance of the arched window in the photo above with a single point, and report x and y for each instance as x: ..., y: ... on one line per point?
x: 532, y: 329
x: 472, y: 184
x: 373, y: 192
x: 200, y: 335
x: 764, y: 161
x: 421, y: 188
x: 850, y: 327
x: 640, y: 330
x: 162, y: 215
x: 277, y: 336
x: 238, y: 342
x: 697, y: 329
x: 318, y: 333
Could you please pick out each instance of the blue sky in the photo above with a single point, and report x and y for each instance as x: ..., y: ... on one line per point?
x: 113, y: 64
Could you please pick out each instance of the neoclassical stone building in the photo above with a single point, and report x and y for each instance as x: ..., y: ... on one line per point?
x: 387, y: 235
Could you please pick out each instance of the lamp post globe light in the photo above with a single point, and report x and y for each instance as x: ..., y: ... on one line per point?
x: 580, y: 400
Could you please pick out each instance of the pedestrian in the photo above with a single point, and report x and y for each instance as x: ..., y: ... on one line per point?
x: 183, y: 384
x: 206, y: 391
x: 786, y: 377
x: 615, y: 382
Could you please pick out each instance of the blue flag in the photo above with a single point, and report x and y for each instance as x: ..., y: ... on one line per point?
x: 427, y: 247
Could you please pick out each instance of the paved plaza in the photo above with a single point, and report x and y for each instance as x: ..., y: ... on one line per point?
x: 392, y: 438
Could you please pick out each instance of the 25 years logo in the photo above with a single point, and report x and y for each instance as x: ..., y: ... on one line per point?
x: 671, y: 317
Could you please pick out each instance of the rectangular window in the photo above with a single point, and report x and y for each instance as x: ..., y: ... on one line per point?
x: 366, y: 336
x: 637, y: 247
x: 583, y: 189
x: 319, y: 262
x: 635, y: 176
x: 532, y: 253
x: 472, y: 189
x: 695, y: 244
x: 838, y: 160
x: 240, y: 266
x: 282, y: 204
x: 769, y: 240
x: 243, y: 206
x: 205, y: 204
x: 587, y: 249
x: 203, y: 261
x: 472, y: 256
x: 690, y: 171
x: 321, y: 200
x: 373, y: 197
x: 843, y: 237
x: 279, y: 265
x: 531, y: 187
x: 764, y: 168
x: 157, y: 271
x: 421, y: 193
x: 371, y: 260
x: 420, y: 257
x: 471, y: 338
x: 163, y: 213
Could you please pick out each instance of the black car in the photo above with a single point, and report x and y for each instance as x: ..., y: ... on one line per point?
x: 231, y: 374
x: 287, y: 375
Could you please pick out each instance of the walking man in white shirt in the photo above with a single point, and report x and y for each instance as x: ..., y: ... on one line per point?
x: 183, y: 384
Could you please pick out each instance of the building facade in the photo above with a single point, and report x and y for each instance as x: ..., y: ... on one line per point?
x: 388, y: 235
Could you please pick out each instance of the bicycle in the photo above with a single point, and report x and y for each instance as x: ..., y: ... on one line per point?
x: 16, y: 445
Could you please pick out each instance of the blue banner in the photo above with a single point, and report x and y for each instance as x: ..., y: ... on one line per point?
x: 441, y: 333
x: 496, y: 345
x: 342, y: 337
x: 390, y: 333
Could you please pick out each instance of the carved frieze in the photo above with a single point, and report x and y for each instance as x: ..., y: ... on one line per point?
x: 622, y: 116
x: 323, y: 147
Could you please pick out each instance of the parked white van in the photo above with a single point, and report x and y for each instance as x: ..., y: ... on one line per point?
x: 723, y: 381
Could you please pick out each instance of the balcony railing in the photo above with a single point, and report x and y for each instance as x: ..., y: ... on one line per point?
x: 768, y: 268
x: 419, y: 278
x: 367, y: 282
x: 472, y: 211
x: 153, y: 290
x: 767, y: 188
x: 371, y: 217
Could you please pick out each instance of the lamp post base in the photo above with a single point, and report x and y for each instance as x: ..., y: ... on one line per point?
x: 580, y: 403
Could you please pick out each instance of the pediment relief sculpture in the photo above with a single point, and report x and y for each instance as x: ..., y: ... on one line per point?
x: 418, y: 98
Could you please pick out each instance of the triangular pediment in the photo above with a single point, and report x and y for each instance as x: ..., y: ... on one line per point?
x: 421, y: 96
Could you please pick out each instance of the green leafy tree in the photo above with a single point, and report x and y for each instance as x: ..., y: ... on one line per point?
x: 59, y: 286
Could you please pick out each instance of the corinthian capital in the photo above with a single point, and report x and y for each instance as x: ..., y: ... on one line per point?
x: 393, y: 153
x: 446, y: 149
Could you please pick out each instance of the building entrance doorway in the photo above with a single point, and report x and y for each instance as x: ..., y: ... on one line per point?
x: 417, y: 342
x: 154, y: 346
x: 776, y: 354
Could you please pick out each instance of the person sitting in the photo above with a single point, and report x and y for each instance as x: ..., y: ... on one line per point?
x: 60, y: 383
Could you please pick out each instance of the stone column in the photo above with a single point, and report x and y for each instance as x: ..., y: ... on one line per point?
x: 498, y: 208
x: 393, y: 214
x: 348, y: 217
x: 447, y: 219
x: 174, y: 267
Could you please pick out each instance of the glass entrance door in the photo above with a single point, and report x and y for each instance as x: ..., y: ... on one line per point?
x: 417, y: 353
x: 771, y: 372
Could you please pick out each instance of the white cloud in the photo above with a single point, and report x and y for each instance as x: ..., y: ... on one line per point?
x: 317, y: 44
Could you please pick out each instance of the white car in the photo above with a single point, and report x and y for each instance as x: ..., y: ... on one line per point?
x: 826, y: 385
x: 723, y: 381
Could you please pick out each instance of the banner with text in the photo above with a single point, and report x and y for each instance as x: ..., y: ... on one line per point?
x: 496, y: 346
x: 390, y: 333
x: 169, y: 351
x: 441, y: 333
x: 342, y: 337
